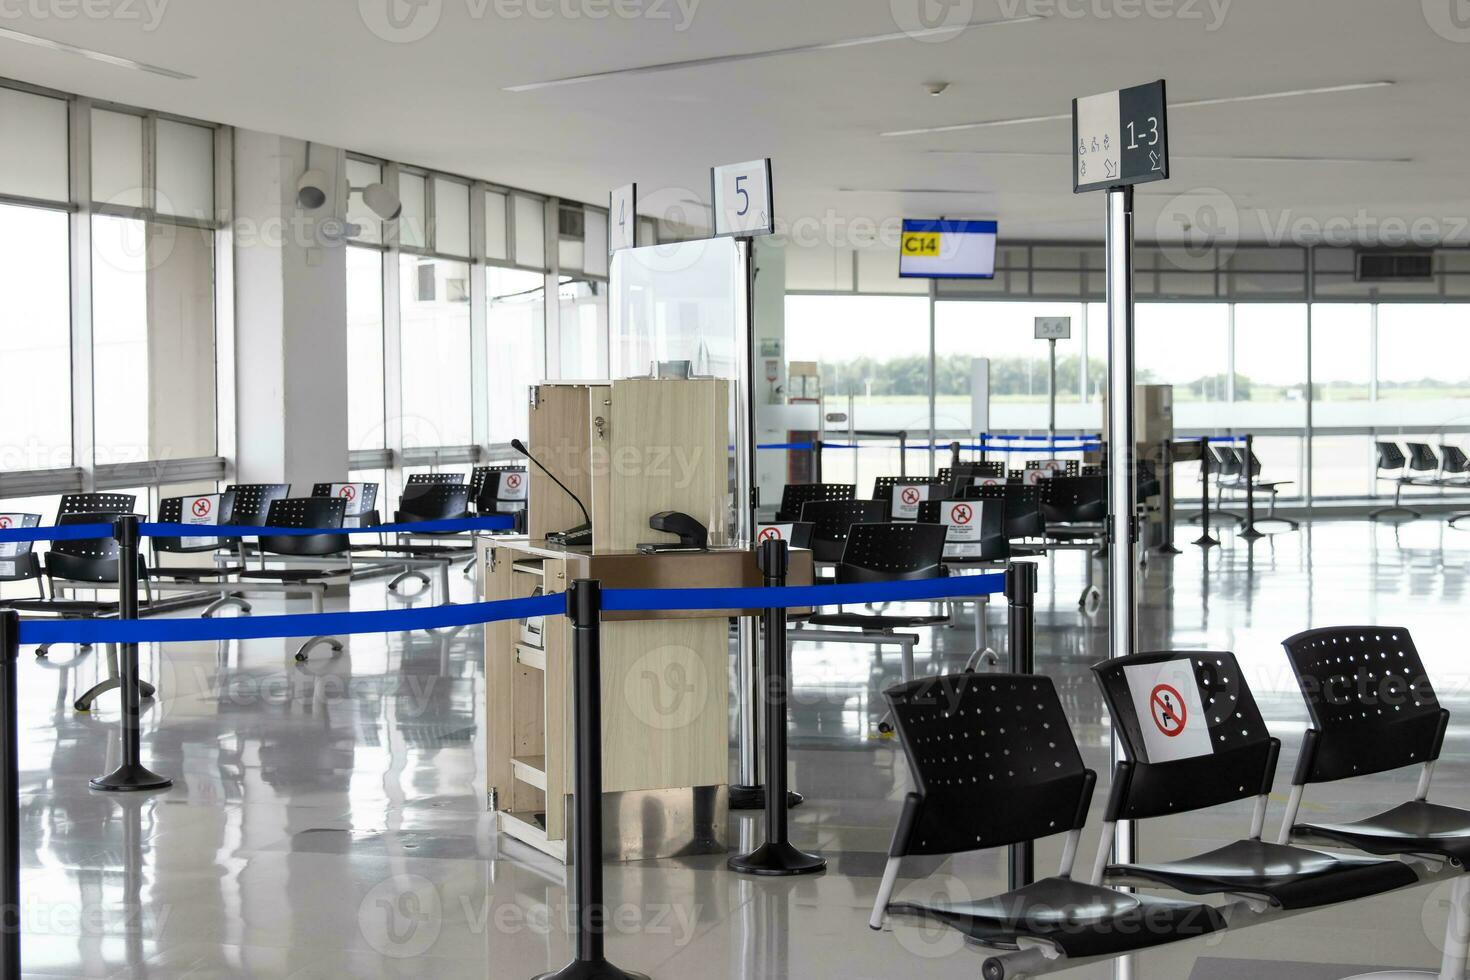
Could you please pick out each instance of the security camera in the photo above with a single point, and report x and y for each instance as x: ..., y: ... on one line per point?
x: 311, y: 190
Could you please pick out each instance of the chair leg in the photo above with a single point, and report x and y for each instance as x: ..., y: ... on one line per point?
x: 1452, y: 966
x: 411, y: 573
x: 316, y: 641
x: 111, y: 683
x: 885, y: 892
x: 224, y: 601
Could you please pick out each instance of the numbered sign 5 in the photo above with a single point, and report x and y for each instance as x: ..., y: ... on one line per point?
x: 622, y: 218
x: 743, y: 200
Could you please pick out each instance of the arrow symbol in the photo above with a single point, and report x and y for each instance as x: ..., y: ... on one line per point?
x: 1112, y: 168
x: 1153, y: 158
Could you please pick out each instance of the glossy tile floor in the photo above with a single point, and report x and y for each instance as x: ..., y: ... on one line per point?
x: 327, y: 820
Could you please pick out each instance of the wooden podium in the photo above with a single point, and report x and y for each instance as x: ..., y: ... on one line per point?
x: 629, y: 449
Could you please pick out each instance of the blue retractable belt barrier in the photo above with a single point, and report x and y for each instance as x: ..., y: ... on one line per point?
x: 96, y: 631
x: 83, y: 532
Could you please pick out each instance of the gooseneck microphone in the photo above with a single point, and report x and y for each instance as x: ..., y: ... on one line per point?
x: 574, y: 535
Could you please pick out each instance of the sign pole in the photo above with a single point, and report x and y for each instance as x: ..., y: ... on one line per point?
x: 1051, y: 414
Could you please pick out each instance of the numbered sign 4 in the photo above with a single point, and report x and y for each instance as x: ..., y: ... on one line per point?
x: 622, y: 218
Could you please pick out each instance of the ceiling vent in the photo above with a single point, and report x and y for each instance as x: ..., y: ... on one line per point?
x: 1394, y: 266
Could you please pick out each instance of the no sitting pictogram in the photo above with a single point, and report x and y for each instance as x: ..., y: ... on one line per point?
x: 348, y: 491
x: 5, y: 520
x: 769, y: 534
x: 1168, y: 711
x: 961, y: 514
x: 910, y: 495
x: 513, y: 481
x: 201, y: 507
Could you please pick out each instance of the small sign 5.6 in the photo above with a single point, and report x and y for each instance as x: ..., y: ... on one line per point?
x: 1053, y: 328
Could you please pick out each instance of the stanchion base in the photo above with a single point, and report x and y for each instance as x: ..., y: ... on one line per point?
x: 1167, y: 549
x: 1205, y: 541
x: 1251, y: 534
x: 777, y: 859
x: 590, y: 970
x: 754, y: 798
x: 130, y: 779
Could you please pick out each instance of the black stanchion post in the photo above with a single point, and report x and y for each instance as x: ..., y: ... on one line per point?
x: 903, y: 454
x: 776, y: 856
x: 584, y: 609
x: 132, y: 775
x: 1021, y: 623
x: 954, y: 456
x: 817, y: 460
x: 1204, y: 540
x: 1249, y: 532
x: 9, y: 796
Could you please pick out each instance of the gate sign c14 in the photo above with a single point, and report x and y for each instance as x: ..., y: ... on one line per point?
x: 1120, y: 138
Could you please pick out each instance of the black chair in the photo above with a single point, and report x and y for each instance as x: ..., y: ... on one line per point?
x: 1373, y: 711
x: 499, y: 489
x: 1023, y: 518
x: 831, y: 519
x: 1073, y: 500
x: 986, y: 544
x: 1194, y: 739
x: 884, y: 486
x: 361, y: 498
x: 430, y: 479
x: 796, y: 534
x: 795, y: 496
x: 886, y: 552
x: 18, y: 559
x: 252, y: 501
x: 963, y: 475
x: 433, y: 501
x: 994, y: 763
x: 1392, y: 466
x: 1453, y: 462
x: 206, y: 578
x: 326, y: 514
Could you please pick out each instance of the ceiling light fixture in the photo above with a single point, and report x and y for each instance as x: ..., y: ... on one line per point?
x: 91, y: 55
x: 850, y: 42
x: 1191, y: 104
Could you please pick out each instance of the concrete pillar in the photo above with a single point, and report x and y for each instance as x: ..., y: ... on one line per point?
x: 291, y: 316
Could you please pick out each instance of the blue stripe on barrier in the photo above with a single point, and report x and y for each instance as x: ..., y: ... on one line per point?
x: 61, y: 532
x: 497, y: 523
x: 86, y: 532
x: 791, y: 596
x: 96, y: 631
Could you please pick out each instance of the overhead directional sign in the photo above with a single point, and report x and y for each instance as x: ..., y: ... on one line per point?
x: 1053, y: 328
x: 1120, y: 138
x: 744, y: 203
x: 622, y: 218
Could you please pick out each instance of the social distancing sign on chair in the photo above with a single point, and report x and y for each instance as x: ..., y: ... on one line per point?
x: 1171, y: 713
x: 773, y: 532
x: 352, y: 493
x: 961, y: 520
x: 200, y: 512
x: 907, y: 498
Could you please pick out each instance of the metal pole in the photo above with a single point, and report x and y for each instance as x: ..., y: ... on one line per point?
x: 1051, y: 416
x: 1122, y: 536
x: 776, y: 856
x: 9, y: 796
x: 132, y: 775
x: 748, y: 681
x: 1205, y: 540
x: 903, y: 454
x: 1021, y: 624
x: 817, y: 454
x: 1249, y: 532
x: 584, y: 609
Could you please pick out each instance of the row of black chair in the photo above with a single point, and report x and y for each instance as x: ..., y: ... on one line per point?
x: 994, y: 763
x: 1421, y: 466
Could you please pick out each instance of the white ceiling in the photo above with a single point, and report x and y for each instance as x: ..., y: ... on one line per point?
x: 315, y: 69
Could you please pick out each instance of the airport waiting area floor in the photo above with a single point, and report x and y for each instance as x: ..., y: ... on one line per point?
x: 328, y: 819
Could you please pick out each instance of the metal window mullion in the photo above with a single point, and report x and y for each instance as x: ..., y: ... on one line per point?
x: 550, y: 227
x: 83, y: 390
x: 479, y: 320
x: 225, y: 408
x: 392, y: 347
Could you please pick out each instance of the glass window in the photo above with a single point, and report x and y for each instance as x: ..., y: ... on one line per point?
x: 120, y: 339
x: 1424, y: 357
x: 33, y: 146
x: 180, y: 342
x: 1271, y: 387
x: 1020, y: 369
x: 1342, y: 371
x: 876, y: 350
x: 185, y: 170
x: 495, y: 222
x: 451, y: 217
x: 571, y: 239
x: 365, y: 412
x: 515, y: 325
x: 361, y: 173
x: 583, y: 327
x: 117, y: 158
x: 595, y: 251
x: 35, y: 339
x: 530, y: 215
x: 435, y: 351
x: 412, y: 221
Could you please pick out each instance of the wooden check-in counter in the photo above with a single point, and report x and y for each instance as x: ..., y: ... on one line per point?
x: 665, y: 698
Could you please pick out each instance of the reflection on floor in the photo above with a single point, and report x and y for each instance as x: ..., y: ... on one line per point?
x: 327, y: 819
